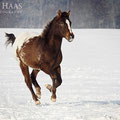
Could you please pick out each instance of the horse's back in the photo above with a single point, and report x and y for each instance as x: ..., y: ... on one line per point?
x: 21, y: 39
x: 24, y: 37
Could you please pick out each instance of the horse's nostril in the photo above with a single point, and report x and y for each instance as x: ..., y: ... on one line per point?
x: 72, y: 35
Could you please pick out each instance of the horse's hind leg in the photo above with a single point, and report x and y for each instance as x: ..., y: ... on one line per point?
x: 37, y: 87
x: 28, y: 81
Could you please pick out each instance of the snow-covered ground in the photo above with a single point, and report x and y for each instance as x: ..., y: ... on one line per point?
x: 91, y: 80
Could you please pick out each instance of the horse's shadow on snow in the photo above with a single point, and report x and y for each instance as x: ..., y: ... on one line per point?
x: 82, y: 103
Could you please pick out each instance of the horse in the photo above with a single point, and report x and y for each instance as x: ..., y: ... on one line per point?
x: 42, y: 52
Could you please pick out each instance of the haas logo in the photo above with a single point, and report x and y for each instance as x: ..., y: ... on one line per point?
x: 15, y: 6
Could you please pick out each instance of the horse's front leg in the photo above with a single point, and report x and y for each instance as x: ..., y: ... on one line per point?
x: 53, y: 87
x: 56, y: 80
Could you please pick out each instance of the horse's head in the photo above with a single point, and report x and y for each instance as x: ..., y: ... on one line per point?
x: 63, y: 25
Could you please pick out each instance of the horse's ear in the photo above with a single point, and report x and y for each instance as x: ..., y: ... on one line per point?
x: 68, y: 13
x: 59, y: 13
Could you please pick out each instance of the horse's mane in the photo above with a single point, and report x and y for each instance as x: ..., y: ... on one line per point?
x: 47, y: 29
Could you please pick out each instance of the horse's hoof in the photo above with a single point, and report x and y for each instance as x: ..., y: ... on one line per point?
x: 49, y: 87
x: 38, y: 95
x: 37, y: 102
x: 38, y: 92
x: 53, y: 99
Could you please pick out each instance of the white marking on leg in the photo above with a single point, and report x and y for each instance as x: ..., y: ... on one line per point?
x: 49, y: 87
x: 37, y: 102
x: 38, y: 93
x: 53, y: 99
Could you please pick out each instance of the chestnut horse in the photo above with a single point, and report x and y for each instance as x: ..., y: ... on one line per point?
x: 43, y: 52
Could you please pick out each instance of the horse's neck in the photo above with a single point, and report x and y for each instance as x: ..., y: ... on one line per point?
x: 54, y: 41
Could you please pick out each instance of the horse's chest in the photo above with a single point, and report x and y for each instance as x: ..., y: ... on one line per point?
x: 51, y: 61
x: 58, y: 59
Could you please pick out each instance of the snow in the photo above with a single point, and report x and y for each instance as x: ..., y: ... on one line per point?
x: 91, y: 80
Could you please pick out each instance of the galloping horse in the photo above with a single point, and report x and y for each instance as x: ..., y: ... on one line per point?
x: 42, y: 52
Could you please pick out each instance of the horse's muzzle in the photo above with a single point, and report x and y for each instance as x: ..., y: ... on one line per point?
x: 71, y: 37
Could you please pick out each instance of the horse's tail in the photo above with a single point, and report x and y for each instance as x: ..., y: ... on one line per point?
x: 10, y: 39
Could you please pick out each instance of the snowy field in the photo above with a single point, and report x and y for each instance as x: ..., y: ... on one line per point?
x: 91, y: 80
